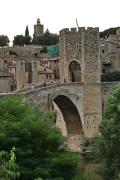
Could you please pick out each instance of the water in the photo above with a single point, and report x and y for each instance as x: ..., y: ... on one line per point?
x: 88, y: 170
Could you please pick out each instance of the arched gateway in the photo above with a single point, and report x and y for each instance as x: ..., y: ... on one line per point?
x: 75, y: 71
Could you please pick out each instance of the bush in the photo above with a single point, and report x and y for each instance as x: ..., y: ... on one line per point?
x: 36, y: 139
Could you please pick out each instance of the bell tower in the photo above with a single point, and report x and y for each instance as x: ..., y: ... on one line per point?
x: 38, y: 29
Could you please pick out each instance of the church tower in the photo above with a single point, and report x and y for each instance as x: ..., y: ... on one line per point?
x: 38, y: 29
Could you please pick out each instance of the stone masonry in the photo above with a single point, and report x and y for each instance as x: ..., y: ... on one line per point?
x: 82, y: 46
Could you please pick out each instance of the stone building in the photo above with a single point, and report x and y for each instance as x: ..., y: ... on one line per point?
x: 26, y: 72
x: 30, y: 71
x: 80, y: 62
x: 6, y: 81
x: 52, y: 63
x: 38, y: 29
x: 110, y: 56
x: 79, y: 56
x: 45, y: 74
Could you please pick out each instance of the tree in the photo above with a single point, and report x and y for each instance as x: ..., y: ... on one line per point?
x: 27, y: 40
x: 18, y: 40
x: 4, y: 40
x: 8, y: 167
x: 26, y: 32
x: 46, y: 39
x: 39, y: 144
x: 109, y: 142
x: 108, y: 32
x: 21, y: 40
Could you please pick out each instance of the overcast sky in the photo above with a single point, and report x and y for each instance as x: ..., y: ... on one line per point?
x: 57, y: 14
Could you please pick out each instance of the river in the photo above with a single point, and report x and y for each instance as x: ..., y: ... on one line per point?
x: 88, y: 170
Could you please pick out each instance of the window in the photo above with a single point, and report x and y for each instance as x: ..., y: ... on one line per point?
x: 103, y: 70
x: 102, y: 50
x: 77, y: 46
x: 46, y: 76
x: 50, y: 76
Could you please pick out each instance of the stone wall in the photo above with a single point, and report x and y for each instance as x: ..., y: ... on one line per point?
x: 83, y: 47
x: 5, y: 84
x: 23, y: 75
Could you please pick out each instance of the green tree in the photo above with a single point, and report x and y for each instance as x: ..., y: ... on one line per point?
x: 109, y: 142
x: 26, y: 31
x: 46, y: 39
x: 4, y: 40
x: 8, y: 168
x: 39, y: 144
x: 108, y: 32
x: 27, y: 40
x: 21, y: 40
x: 18, y: 40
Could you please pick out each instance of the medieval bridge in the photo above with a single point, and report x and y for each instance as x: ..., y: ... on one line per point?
x: 81, y: 114
x: 81, y: 99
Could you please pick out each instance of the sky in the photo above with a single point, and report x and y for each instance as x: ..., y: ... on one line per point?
x: 57, y: 14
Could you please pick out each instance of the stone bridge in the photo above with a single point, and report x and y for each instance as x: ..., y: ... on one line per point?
x: 69, y: 99
x: 80, y: 105
x: 80, y: 112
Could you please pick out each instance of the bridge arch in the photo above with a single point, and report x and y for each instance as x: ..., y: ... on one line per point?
x: 70, y: 114
x: 74, y: 69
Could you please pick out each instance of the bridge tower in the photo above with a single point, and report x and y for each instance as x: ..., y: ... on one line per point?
x: 80, y: 62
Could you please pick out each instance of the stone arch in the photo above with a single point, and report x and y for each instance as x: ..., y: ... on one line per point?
x: 74, y: 71
x: 72, y: 120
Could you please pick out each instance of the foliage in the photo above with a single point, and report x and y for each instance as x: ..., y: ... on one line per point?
x: 18, y: 40
x: 21, y: 40
x: 46, y: 39
x: 26, y: 32
x: 109, y: 141
x: 8, y: 167
x: 38, y: 142
x: 27, y: 40
x: 109, y: 77
x: 108, y: 32
x: 4, y: 40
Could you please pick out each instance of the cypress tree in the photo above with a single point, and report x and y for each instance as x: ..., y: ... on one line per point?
x: 26, y: 31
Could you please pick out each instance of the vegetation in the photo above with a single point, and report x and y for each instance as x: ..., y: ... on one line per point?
x: 39, y: 144
x: 109, y: 142
x: 21, y: 40
x: 26, y: 32
x: 8, y: 167
x: 46, y: 39
x: 110, y: 77
x: 4, y: 40
x: 106, y: 33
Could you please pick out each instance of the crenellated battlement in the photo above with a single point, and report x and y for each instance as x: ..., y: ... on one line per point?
x: 81, y: 44
x: 79, y: 29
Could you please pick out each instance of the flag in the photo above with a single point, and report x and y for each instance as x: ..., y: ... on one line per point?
x: 77, y: 23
